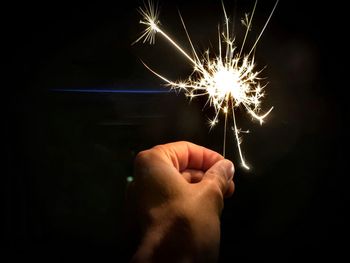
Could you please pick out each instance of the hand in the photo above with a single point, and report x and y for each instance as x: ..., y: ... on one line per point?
x: 177, y: 198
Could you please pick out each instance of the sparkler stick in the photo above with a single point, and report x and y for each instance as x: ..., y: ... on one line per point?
x: 228, y: 82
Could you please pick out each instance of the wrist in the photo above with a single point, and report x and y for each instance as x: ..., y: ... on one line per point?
x: 166, y: 240
x: 179, y: 238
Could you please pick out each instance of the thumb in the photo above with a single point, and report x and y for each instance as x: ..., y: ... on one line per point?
x: 220, y: 174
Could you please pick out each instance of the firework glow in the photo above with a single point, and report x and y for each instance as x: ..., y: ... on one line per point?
x: 229, y: 80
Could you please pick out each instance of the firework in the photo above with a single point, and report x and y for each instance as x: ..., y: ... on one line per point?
x: 229, y: 80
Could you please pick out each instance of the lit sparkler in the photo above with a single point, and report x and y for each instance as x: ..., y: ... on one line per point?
x: 229, y: 80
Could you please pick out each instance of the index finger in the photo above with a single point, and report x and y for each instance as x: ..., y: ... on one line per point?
x: 186, y: 155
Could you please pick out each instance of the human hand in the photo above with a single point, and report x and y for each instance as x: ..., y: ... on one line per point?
x: 177, y: 199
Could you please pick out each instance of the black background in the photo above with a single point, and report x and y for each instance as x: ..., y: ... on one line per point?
x: 69, y: 153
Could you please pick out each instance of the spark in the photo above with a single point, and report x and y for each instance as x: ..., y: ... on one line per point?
x: 228, y: 80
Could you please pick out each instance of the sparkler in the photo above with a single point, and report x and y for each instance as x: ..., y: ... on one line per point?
x: 229, y: 80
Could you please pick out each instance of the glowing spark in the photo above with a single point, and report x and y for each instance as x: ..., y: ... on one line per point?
x: 229, y: 80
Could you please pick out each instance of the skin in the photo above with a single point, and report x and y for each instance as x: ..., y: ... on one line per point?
x: 177, y: 198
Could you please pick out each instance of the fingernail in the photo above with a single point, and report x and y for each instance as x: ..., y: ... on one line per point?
x: 230, y: 170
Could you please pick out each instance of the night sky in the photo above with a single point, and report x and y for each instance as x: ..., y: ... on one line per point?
x: 69, y: 153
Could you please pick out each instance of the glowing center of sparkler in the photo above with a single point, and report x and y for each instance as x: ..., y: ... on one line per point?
x: 153, y: 26
x: 227, y: 83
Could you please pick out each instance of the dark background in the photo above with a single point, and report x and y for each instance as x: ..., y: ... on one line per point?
x: 69, y: 154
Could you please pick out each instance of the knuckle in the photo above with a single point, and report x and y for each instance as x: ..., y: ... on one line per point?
x: 159, y: 147
x: 214, y: 188
x: 141, y: 158
x: 144, y: 163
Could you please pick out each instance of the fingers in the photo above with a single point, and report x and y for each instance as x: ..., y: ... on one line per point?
x: 219, y: 176
x: 194, y: 162
x: 185, y: 155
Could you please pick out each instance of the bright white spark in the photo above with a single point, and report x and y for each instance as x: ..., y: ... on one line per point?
x: 150, y: 19
x: 229, y: 80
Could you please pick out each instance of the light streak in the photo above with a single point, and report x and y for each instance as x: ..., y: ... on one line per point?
x: 125, y: 91
x: 229, y: 80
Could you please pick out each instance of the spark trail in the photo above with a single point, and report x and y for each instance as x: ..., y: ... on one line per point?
x: 229, y: 80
